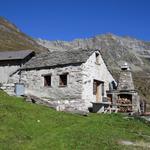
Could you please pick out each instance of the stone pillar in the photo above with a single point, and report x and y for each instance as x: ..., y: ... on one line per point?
x: 135, y: 102
x: 114, y: 99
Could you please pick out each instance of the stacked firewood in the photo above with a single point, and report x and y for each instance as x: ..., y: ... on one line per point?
x: 123, y: 104
x: 109, y: 99
x: 125, y: 109
x: 123, y: 101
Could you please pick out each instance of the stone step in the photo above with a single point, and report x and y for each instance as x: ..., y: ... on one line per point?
x: 54, y: 104
x: 37, y: 100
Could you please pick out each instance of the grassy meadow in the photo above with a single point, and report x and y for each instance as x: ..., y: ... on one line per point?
x: 26, y: 126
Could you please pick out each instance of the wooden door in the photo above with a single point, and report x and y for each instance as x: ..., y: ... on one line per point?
x: 96, y: 90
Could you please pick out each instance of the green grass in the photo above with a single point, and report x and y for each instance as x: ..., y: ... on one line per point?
x: 21, y: 130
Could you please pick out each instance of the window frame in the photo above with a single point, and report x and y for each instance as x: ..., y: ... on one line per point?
x: 47, y: 80
x: 63, y: 78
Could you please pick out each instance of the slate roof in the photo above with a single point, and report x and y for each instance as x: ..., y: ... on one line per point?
x: 58, y: 58
x: 15, y: 55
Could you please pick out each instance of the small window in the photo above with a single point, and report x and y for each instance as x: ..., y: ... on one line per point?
x: 97, y: 58
x: 47, y: 80
x: 63, y: 80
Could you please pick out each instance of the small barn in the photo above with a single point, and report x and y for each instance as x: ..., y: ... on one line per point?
x: 11, y: 61
x: 70, y: 79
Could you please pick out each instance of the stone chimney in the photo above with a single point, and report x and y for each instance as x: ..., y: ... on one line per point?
x: 125, y: 81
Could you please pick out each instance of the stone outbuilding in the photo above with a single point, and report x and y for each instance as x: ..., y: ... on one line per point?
x: 125, y: 97
x: 69, y: 79
x: 11, y: 61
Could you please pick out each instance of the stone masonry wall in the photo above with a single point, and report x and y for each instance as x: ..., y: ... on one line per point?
x: 91, y: 71
x: 34, y: 85
x: 125, y: 81
x: 5, y: 71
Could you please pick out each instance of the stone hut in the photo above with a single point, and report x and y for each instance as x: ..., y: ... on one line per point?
x: 125, y: 97
x: 11, y: 61
x: 70, y: 79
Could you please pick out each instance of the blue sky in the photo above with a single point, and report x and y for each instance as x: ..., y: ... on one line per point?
x: 70, y: 19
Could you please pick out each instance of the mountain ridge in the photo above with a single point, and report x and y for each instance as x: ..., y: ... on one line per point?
x: 12, y: 38
x: 126, y: 49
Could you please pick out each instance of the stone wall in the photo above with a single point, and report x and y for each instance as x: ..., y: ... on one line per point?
x: 5, y: 71
x: 125, y: 81
x: 97, y: 71
x: 136, y: 102
x: 34, y: 83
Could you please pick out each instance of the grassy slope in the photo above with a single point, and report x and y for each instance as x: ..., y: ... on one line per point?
x: 11, y: 38
x: 19, y: 128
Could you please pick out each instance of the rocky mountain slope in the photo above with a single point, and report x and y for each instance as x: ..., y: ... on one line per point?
x: 115, y: 51
x: 11, y: 38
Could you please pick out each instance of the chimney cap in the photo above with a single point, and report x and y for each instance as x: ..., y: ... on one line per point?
x: 125, y: 66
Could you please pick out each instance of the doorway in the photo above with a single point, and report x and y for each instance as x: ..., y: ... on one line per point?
x: 97, y: 90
